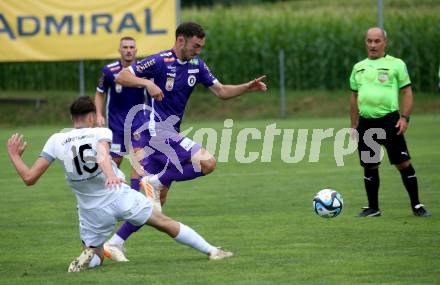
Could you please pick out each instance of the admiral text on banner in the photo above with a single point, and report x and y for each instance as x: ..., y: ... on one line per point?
x: 50, y: 30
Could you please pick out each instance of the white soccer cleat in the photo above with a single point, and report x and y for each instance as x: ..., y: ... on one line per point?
x: 220, y: 254
x: 115, y: 252
x: 152, y: 193
x: 82, y: 261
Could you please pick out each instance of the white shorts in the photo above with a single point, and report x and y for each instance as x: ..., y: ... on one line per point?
x: 96, y: 225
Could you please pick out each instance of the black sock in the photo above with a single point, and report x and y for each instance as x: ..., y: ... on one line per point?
x: 372, y: 182
x: 409, y: 179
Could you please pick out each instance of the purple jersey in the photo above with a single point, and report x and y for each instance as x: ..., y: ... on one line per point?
x: 120, y: 98
x: 176, y: 78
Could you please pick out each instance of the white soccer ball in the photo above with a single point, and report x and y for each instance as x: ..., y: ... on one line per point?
x: 328, y: 203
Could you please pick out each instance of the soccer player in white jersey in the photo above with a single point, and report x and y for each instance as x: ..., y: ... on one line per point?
x: 99, y: 186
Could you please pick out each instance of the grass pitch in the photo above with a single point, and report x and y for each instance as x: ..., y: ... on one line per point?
x: 261, y: 211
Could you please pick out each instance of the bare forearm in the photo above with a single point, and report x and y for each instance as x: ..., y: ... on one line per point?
x: 407, y: 102
x: 99, y: 103
x: 106, y: 166
x: 104, y: 160
x: 29, y: 175
x: 126, y: 78
x: 231, y: 91
x: 21, y: 168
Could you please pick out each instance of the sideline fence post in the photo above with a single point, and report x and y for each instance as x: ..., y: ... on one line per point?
x: 380, y: 14
x: 178, y: 8
x: 282, y: 85
x: 81, y: 77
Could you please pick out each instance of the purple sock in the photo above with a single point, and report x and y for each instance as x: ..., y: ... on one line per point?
x: 134, y: 183
x: 173, y: 174
x: 126, y: 230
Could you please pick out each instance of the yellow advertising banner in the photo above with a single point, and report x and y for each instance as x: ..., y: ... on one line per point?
x: 50, y: 30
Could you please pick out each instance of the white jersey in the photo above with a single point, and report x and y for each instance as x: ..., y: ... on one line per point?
x: 76, y: 150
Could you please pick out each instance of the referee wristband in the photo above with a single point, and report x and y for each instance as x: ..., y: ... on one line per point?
x: 406, y: 118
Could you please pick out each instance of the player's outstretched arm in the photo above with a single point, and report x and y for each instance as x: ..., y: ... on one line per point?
x: 225, y: 92
x: 104, y: 161
x: 16, y: 147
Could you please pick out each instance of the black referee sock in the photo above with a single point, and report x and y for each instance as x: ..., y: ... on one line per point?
x: 409, y: 179
x: 372, y: 182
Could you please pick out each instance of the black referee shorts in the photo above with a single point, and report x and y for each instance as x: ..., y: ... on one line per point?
x: 381, y: 131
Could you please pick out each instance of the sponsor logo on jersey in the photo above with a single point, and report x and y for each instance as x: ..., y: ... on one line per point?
x: 166, y: 54
x: 145, y: 65
x: 194, y: 61
x: 113, y: 64
x: 114, y: 69
x: 191, y: 80
x: 190, y: 71
x: 169, y: 59
x: 170, y: 84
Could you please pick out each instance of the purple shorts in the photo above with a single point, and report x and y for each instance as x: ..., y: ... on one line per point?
x: 118, y: 148
x: 165, y: 155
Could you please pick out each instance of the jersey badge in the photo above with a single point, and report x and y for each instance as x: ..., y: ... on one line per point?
x: 118, y: 88
x: 382, y: 77
x: 191, y: 80
x: 170, y: 84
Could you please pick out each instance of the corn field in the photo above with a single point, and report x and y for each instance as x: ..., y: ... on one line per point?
x: 321, y: 41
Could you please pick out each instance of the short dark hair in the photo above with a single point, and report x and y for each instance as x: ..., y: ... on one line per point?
x: 189, y: 30
x: 127, y: 38
x: 82, y: 106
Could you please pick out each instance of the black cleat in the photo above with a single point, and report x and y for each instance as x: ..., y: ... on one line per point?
x: 420, y: 211
x: 369, y: 212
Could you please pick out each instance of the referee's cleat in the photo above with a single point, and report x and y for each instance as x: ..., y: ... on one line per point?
x: 420, y: 211
x: 82, y: 261
x: 369, y: 212
x: 152, y: 193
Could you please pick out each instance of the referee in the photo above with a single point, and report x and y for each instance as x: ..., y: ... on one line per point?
x: 376, y: 83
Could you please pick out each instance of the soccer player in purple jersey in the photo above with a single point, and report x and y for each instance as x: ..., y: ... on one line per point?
x: 120, y: 100
x: 170, y: 77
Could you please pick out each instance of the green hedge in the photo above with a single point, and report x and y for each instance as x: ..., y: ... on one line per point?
x: 321, y: 41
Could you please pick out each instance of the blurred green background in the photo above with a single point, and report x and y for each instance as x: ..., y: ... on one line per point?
x: 321, y: 41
